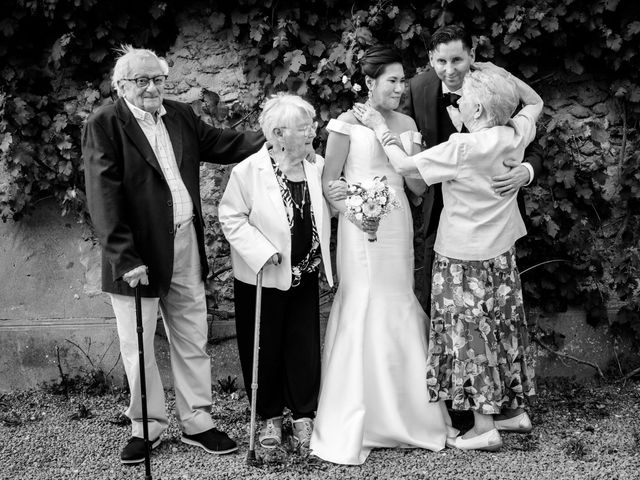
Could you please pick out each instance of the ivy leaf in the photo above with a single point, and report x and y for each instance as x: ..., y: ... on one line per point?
x: 59, y: 123
x: 6, y: 142
x: 271, y: 55
x: 338, y: 54
x: 312, y: 19
x: 611, y: 5
x: 611, y: 186
x: 584, y: 192
x: 567, y: 177
x: 474, y: 5
x: 614, y: 42
x: 552, y: 227
x: 316, y: 48
x: 157, y: 10
x: 256, y: 30
x: 528, y: 69
x: 58, y: 49
x: 512, y: 42
x: 392, y: 12
x: 405, y: 20
x: 550, y: 23
x: 280, y: 74
x: 98, y: 55
x: 364, y: 36
x: 295, y: 60
x: 632, y: 29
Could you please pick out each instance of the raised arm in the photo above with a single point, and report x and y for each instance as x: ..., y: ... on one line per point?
x: 401, y: 162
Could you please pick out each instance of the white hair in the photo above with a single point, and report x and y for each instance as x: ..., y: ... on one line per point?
x: 127, y: 54
x: 283, y: 110
x: 496, y: 93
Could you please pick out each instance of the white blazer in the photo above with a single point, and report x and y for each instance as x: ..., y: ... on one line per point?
x: 254, y: 220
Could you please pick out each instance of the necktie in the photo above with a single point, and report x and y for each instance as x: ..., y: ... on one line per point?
x: 450, y: 98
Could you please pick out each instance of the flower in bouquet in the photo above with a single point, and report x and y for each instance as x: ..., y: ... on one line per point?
x: 372, y: 199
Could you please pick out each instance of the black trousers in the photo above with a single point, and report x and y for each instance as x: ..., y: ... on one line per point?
x: 289, y: 356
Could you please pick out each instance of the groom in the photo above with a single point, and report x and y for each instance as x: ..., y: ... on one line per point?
x: 431, y: 100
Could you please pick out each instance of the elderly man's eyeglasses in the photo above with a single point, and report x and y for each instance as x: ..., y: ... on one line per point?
x: 308, y: 130
x: 143, y: 82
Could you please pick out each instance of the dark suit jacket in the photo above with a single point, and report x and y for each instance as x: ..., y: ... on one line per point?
x: 128, y: 198
x: 423, y: 103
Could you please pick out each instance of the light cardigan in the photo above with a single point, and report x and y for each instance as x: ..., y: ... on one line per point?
x: 254, y: 221
x: 476, y: 222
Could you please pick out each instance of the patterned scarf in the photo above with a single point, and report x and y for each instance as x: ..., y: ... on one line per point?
x: 311, y: 261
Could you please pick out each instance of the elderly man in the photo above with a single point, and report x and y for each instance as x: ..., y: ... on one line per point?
x: 142, y: 156
x: 432, y: 101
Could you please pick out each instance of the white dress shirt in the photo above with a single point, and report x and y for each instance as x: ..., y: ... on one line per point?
x: 158, y: 137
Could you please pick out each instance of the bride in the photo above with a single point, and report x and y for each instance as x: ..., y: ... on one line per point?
x: 373, y: 391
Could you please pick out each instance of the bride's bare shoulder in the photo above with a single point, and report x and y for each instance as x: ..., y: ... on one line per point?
x: 348, y: 117
x: 404, y: 122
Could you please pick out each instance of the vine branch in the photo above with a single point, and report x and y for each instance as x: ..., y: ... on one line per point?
x: 570, y: 357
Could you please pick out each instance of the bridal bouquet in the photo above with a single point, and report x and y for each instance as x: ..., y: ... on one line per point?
x: 373, y: 199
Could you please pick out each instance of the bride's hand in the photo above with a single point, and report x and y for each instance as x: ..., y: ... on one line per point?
x: 337, y: 190
x: 367, y: 115
x: 367, y: 225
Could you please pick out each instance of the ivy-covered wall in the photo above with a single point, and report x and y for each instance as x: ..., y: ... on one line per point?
x: 584, y: 236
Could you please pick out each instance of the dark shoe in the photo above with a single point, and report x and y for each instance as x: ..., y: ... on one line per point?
x: 133, y: 451
x: 213, y: 441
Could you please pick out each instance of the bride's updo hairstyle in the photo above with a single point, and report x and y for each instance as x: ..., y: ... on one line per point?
x: 376, y: 59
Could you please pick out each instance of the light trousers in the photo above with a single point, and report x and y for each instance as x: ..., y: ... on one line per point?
x: 184, y: 312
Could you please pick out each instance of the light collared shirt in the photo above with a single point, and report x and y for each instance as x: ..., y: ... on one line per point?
x: 456, y: 119
x: 154, y: 129
x: 476, y: 222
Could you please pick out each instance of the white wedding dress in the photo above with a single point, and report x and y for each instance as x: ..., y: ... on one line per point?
x: 373, y: 391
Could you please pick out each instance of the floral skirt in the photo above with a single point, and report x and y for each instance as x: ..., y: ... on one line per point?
x: 479, y: 355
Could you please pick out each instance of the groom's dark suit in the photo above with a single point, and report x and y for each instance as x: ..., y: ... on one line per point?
x: 424, y: 103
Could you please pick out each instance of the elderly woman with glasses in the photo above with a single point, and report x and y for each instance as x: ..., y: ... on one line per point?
x: 275, y: 218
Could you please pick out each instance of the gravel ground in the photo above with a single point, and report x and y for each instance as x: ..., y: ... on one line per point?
x: 581, y: 432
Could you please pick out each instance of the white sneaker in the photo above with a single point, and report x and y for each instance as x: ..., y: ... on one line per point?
x: 519, y: 424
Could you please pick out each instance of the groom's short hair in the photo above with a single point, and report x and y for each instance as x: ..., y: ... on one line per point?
x: 450, y: 33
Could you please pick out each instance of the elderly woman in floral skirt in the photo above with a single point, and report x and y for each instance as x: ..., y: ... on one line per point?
x: 479, y: 355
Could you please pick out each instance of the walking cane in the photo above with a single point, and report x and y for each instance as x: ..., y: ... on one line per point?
x: 143, y: 387
x: 251, y: 454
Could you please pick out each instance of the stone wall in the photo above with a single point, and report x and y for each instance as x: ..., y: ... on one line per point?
x: 50, y: 265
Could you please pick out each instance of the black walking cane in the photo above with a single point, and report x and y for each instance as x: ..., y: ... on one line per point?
x: 143, y: 387
x: 251, y: 454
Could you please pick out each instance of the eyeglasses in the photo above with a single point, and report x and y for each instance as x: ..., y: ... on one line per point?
x: 308, y: 130
x: 143, y: 82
